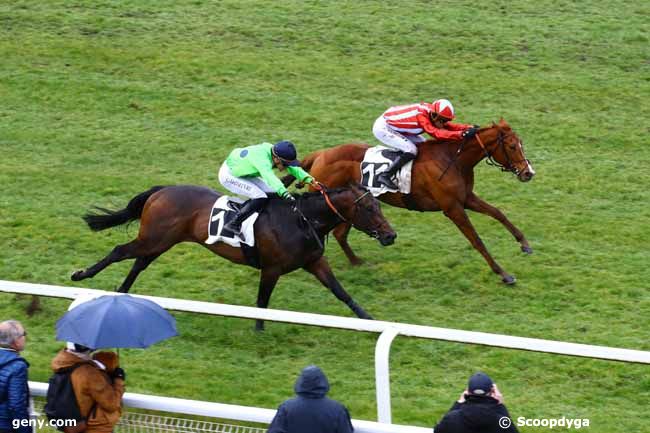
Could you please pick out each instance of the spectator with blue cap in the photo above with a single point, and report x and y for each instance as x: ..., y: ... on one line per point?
x: 479, y: 409
x: 248, y: 172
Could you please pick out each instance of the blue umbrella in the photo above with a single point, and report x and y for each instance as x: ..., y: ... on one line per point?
x: 116, y: 321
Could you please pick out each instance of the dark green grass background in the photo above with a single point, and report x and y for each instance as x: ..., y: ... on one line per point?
x: 101, y: 100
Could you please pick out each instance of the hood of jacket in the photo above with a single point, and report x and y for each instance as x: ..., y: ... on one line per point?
x: 312, y: 383
x: 480, y: 411
x: 65, y: 359
x: 8, y: 355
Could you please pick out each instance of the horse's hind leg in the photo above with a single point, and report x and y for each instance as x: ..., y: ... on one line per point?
x: 119, y: 253
x: 268, y: 280
x: 321, y: 270
x: 477, y: 204
x: 140, y: 265
x: 341, y: 234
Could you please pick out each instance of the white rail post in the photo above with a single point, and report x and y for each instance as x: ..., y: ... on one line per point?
x: 382, y: 374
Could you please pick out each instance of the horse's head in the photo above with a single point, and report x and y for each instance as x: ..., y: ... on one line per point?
x: 358, y: 207
x: 506, y: 150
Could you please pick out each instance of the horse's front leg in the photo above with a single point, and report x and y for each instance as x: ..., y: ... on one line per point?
x: 268, y: 279
x: 458, y: 215
x: 341, y: 233
x: 477, y: 204
x: 321, y: 270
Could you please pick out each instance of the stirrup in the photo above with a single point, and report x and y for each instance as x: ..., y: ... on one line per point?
x: 384, y: 179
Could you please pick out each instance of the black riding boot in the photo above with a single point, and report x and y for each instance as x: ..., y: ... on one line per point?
x: 251, y: 206
x: 385, y: 176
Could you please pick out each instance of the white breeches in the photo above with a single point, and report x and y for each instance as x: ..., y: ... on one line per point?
x: 395, y: 139
x: 251, y: 187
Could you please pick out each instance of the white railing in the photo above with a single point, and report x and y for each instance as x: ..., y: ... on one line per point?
x: 388, y: 331
x: 226, y: 411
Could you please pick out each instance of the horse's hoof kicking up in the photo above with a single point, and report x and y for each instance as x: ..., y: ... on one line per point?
x: 77, y: 275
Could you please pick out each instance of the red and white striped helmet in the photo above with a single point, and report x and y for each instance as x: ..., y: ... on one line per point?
x: 443, y: 108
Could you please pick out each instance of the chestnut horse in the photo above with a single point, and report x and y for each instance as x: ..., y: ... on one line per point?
x: 286, y: 237
x: 442, y: 179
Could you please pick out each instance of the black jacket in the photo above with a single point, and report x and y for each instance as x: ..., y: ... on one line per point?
x: 311, y: 411
x: 476, y: 415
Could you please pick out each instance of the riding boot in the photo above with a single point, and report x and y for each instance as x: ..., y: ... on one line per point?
x: 251, y: 206
x: 385, y: 176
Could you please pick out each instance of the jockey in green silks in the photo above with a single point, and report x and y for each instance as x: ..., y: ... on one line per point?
x: 248, y: 171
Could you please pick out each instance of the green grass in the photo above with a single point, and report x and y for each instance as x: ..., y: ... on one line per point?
x: 101, y: 100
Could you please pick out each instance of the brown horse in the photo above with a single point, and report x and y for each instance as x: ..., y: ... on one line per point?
x: 442, y: 179
x: 286, y: 237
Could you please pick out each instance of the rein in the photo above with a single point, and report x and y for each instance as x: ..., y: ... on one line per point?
x: 333, y: 208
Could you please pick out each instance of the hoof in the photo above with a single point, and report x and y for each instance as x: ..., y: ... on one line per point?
x: 509, y: 280
x: 527, y: 250
x: 77, y: 276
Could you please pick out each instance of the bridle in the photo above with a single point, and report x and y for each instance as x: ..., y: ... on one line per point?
x: 323, y: 191
x: 501, y: 139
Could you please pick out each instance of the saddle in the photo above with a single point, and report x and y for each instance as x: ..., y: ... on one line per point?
x: 376, y: 160
x: 223, y: 211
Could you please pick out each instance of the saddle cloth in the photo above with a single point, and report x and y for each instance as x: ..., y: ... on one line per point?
x: 223, y: 211
x: 376, y: 160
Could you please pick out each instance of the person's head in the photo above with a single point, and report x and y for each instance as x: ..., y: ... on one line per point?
x: 442, y: 112
x: 284, y: 154
x: 312, y: 383
x: 12, y: 335
x: 480, y: 385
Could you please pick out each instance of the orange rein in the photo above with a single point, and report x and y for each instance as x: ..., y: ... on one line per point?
x: 331, y: 205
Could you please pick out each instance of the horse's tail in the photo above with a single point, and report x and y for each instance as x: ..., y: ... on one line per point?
x: 109, y: 218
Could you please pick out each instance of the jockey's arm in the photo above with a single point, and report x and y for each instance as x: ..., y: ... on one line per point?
x: 300, y: 174
x: 438, y: 134
x: 268, y: 176
x: 457, y: 126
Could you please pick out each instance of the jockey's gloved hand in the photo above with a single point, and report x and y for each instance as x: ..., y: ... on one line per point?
x: 317, y: 185
x: 469, y: 133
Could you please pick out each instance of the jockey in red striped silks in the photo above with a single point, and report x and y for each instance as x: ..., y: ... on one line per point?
x: 400, y: 127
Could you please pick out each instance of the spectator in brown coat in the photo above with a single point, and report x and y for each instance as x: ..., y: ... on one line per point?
x: 98, y: 385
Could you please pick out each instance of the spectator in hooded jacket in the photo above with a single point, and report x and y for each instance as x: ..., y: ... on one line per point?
x: 311, y: 411
x: 14, y: 390
x: 479, y: 409
x: 98, y: 385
